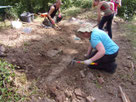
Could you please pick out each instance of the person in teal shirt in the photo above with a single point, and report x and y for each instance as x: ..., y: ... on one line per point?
x: 106, y: 50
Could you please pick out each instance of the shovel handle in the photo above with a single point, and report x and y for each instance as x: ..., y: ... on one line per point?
x: 84, y: 63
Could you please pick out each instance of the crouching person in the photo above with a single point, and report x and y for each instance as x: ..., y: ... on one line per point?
x: 51, y: 19
x: 106, y: 50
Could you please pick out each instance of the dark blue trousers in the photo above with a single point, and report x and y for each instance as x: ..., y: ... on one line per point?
x: 108, y: 21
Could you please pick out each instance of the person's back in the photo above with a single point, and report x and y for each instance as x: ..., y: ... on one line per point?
x: 98, y: 36
x: 106, y: 8
x: 54, y: 11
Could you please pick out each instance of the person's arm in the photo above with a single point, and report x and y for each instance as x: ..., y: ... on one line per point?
x: 89, y: 50
x: 59, y: 12
x: 100, y: 53
x: 111, y: 6
x: 49, y: 14
x: 120, y: 3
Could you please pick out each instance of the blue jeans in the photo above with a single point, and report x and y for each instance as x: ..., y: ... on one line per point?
x: 108, y: 20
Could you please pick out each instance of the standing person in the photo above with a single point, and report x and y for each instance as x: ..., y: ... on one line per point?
x: 51, y: 20
x: 106, y: 49
x: 116, y: 4
x: 108, y: 15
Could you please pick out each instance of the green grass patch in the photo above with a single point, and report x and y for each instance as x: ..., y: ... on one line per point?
x: 130, y: 32
x: 73, y: 11
x: 5, y: 24
x: 14, y: 86
x: 7, y: 87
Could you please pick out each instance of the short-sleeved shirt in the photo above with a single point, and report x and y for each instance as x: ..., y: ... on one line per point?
x: 98, y: 36
x: 106, y: 8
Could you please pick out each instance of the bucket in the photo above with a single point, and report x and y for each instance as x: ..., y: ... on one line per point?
x: 27, y: 17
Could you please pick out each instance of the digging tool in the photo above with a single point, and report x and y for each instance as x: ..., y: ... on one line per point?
x: 44, y: 15
x: 82, y: 62
x: 57, y: 27
x: 95, y: 25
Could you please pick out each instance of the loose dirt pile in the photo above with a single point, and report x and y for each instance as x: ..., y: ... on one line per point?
x: 44, y: 54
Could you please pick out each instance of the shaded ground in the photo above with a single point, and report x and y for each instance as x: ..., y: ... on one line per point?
x: 44, y: 54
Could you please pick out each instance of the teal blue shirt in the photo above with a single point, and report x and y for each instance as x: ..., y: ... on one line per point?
x: 98, y: 36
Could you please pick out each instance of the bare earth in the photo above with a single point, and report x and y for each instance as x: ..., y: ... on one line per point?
x: 44, y: 55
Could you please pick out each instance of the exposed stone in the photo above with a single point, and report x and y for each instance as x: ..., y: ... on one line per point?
x: 78, y: 92
x: 2, y: 49
x: 101, y: 80
x: 90, y: 99
x: 68, y: 93
x: 82, y: 74
x: 60, y: 97
x: 47, y: 100
x: 52, y: 53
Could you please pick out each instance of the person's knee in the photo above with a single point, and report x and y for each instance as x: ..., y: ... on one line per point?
x: 110, y: 67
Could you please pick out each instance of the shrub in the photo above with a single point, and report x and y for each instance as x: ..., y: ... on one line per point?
x: 82, y: 3
x: 7, y: 88
x: 128, y: 9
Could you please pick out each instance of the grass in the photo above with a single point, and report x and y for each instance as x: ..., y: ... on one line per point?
x: 8, y: 90
x: 130, y: 31
x: 14, y: 86
x: 73, y: 11
x: 5, y: 24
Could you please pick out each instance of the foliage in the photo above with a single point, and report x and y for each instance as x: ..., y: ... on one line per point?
x: 34, y: 6
x: 73, y: 11
x: 128, y: 9
x: 7, y: 88
x: 83, y: 3
x: 130, y: 33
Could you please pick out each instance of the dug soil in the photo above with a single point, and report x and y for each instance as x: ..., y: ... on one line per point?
x: 44, y: 55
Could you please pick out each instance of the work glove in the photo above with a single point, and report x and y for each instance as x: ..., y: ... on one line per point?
x: 88, y: 62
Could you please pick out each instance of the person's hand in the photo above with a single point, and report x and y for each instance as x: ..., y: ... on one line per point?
x: 53, y: 22
x: 87, y: 62
x: 59, y: 15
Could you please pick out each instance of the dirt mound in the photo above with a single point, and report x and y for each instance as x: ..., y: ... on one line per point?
x: 44, y: 55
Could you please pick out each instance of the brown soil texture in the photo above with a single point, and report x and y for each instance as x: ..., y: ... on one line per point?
x: 44, y: 55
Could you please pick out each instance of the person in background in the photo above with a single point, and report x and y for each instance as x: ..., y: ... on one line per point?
x: 50, y: 18
x: 106, y: 50
x: 108, y: 15
x: 117, y: 3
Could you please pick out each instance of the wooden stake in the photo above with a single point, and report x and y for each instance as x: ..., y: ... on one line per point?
x: 123, y: 95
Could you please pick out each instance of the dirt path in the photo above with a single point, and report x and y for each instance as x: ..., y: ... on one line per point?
x: 44, y: 54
